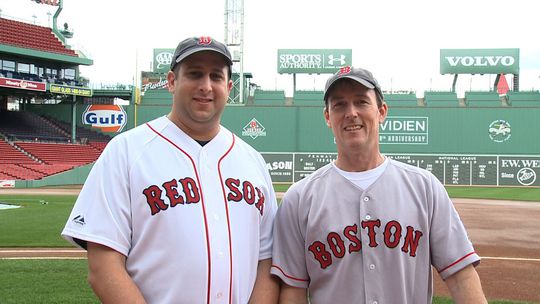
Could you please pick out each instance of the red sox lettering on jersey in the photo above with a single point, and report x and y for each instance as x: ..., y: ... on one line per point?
x: 185, y: 191
x: 392, y: 233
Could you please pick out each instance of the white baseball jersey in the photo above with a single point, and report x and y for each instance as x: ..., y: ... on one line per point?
x: 349, y: 245
x: 193, y: 221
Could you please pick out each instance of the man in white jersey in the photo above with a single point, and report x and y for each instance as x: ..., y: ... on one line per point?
x: 365, y: 228
x: 180, y: 210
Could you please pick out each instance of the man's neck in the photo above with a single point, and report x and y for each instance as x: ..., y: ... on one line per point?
x: 359, y: 162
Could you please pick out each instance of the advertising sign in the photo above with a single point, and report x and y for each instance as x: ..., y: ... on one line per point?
x: 23, y: 84
x: 69, y: 90
x: 312, y: 61
x: 404, y: 130
x: 280, y: 166
x: 479, y: 61
x: 162, y: 60
x: 108, y: 118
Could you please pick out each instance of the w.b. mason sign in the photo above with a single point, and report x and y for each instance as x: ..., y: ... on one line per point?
x: 479, y: 61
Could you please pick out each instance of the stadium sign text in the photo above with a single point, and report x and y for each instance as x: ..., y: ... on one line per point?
x: 68, y: 90
x: 404, y: 130
x: 479, y: 61
x: 308, y: 61
x: 22, y: 84
x: 108, y: 118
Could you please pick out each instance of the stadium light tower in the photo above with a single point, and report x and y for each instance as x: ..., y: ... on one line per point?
x: 234, y: 39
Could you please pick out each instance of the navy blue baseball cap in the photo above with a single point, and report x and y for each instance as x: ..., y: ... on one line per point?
x: 362, y: 76
x: 193, y: 45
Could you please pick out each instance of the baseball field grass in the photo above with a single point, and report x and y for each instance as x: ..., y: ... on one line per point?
x: 39, y: 220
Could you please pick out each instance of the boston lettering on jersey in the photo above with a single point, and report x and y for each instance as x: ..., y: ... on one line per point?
x: 392, y: 238
x: 190, y: 194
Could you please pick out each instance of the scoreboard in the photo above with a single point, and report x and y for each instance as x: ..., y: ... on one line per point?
x: 451, y: 169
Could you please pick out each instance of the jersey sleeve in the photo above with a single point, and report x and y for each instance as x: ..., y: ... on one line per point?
x: 451, y: 249
x: 267, y: 222
x: 288, y: 260
x: 102, y: 212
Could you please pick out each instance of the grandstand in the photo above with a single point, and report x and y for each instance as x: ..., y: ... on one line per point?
x: 33, y: 145
x: 33, y: 37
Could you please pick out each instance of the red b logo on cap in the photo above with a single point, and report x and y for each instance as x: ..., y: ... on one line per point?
x: 205, y: 40
x: 344, y: 70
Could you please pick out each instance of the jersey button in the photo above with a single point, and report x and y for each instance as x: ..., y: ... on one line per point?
x: 368, y: 217
x: 372, y: 266
x: 375, y: 302
x: 219, y: 295
x: 366, y: 199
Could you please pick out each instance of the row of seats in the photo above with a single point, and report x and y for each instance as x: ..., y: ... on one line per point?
x: 29, y: 126
x: 58, y: 153
x: 430, y: 99
x: 31, y: 171
x: 10, y: 155
x: 31, y: 36
x: 37, y: 44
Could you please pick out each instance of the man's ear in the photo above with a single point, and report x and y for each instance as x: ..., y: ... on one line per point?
x: 327, y: 117
x: 171, y: 78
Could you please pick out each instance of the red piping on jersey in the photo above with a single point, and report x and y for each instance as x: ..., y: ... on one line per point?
x: 228, y: 220
x: 203, y: 208
x: 288, y: 276
x: 457, y: 261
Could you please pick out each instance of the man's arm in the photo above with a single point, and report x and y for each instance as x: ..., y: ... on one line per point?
x: 266, y: 289
x: 465, y: 286
x: 108, y: 276
x: 292, y: 295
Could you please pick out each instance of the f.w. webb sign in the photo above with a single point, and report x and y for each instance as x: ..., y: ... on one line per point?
x: 479, y: 61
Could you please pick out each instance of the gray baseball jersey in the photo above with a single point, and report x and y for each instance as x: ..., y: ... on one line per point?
x: 349, y: 245
x: 192, y: 221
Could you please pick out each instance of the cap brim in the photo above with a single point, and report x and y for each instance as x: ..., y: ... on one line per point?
x: 362, y: 81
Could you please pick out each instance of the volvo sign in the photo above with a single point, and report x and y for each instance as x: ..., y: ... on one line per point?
x: 479, y: 61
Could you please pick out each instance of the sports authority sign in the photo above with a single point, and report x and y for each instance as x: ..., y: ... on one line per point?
x: 479, y: 61
x: 23, y: 84
x: 312, y: 61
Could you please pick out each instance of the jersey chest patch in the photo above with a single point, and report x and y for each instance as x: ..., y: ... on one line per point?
x: 337, y: 244
x: 186, y: 191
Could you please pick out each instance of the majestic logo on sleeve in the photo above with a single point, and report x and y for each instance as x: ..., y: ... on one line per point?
x: 337, y: 244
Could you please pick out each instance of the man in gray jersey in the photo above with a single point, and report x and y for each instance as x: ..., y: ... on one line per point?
x: 365, y: 228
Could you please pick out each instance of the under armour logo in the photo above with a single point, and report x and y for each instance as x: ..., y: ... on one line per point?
x: 332, y: 60
x: 205, y: 40
x: 344, y: 70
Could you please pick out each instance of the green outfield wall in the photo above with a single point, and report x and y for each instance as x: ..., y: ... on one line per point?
x: 460, y: 145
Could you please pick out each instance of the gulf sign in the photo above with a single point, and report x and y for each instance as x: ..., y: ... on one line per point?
x: 108, y: 118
